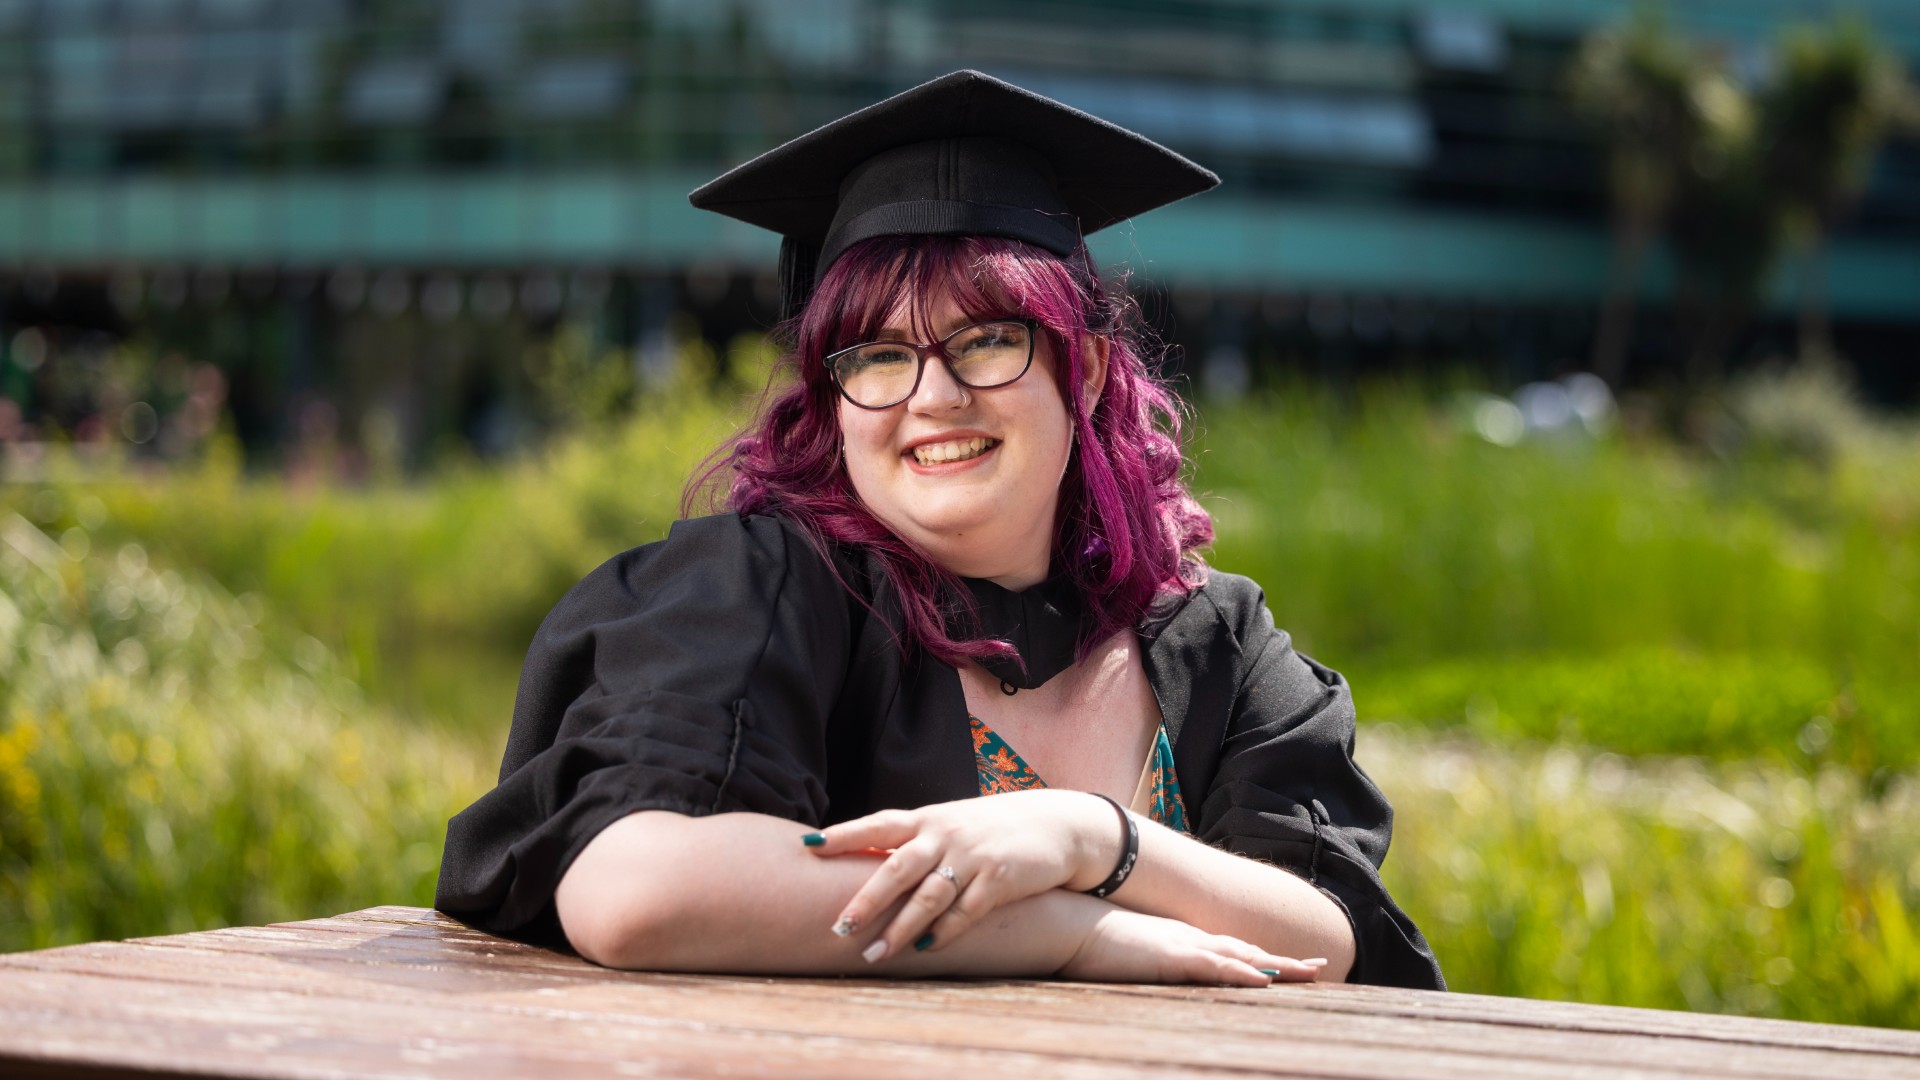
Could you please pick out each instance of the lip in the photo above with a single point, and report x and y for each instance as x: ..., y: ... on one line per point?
x: 944, y: 467
x: 946, y: 436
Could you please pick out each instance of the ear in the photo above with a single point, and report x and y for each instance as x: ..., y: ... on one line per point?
x: 1095, y: 349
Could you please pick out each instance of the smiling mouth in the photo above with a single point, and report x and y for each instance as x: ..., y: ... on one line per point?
x: 957, y: 450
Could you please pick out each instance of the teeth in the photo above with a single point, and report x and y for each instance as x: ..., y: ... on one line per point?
x: 957, y: 450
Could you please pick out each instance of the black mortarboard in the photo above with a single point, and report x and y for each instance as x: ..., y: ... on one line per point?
x: 965, y: 154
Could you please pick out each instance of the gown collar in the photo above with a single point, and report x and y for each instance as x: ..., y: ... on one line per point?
x: 1043, y: 623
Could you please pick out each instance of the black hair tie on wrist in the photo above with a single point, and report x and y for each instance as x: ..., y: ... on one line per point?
x: 1128, y: 857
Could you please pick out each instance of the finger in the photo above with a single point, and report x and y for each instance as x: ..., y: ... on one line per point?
x: 934, y: 896
x: 1212, y: 967
x: 878, y: 832
x: 900, y: 873
x: 1274, y: 966
x: 1287, y: 969
x: 974, y: 903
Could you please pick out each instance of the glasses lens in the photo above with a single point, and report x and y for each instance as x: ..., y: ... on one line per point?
x: 982, y: 356
x: 990, y: 354
x: 876, y: 375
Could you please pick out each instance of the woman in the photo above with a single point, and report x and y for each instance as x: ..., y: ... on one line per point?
x: 949, y: 691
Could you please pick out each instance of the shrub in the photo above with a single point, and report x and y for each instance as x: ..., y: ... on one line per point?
x: 164, y: 768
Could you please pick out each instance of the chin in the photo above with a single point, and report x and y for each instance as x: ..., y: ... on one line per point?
x: 946, y: 529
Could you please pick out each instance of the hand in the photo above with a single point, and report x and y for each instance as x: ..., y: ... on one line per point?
x: 955, y: 862
x: 1126, y: 946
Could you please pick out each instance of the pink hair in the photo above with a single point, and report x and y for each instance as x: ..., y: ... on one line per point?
x: 1128, y: 527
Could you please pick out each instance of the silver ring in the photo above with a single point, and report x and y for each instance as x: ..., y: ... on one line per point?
x: 947, y: 872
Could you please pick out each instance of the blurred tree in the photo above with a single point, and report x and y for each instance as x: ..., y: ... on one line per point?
x: 1726, y: 225
x: 1835, y: 94
x: 1639, y: 82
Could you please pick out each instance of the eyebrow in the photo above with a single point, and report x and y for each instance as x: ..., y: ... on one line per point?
x: 895, y: 333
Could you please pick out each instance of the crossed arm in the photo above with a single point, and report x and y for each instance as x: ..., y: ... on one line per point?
x: 740, y: 893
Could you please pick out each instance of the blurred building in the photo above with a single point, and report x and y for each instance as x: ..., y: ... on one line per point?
x: 367, y: 214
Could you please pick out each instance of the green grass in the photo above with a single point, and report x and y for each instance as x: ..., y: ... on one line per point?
x: 1655, y: 709
x: 170, y: 762
x: 1624, y: 592
x: 428, y: 593
x: 1384, y: 528
x: 163, y: 767
x: 1786, y: 707
x: 1544, y: 871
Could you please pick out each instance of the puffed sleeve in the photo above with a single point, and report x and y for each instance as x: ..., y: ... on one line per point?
x: 693, y: 675
x: 1288, y: 791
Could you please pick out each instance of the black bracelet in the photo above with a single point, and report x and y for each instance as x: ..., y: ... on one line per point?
x: 1127, y: 858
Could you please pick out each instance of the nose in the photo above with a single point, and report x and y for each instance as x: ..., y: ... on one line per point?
x: 938, y: 391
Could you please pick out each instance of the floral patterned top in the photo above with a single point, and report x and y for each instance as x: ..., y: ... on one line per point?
x: 1157, y: 796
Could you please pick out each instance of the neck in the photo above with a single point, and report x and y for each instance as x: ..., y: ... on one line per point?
x: 1015, y: 563
x: 1014, y: 575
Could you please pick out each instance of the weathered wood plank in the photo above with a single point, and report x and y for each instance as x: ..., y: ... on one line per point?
x: 223, y: 1033
x: 1376, y: 1000
x: 52, y: 1017
x: 436, y: 935
x: 402, y: 992
x: 1068, y: 1020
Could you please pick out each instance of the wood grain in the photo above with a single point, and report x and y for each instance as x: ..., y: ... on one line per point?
x: 403, y: 992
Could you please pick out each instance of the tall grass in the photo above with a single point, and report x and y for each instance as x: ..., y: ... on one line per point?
x: 1724, y: 641
x: 428, y: 593
x: 1546, y: 871
x: 1623, y: 591
x: 1383, y: 527
x: 164, y: 768
x: 169, y: 761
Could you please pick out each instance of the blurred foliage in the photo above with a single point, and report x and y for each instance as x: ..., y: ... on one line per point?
x: 1774, y: 579
x: 164, y: 768
x: 1656, y: 103
x: 1731, y: 174
x: 173, y: 757
x: 1555, y: 873
x: 412, y: 584
x: 1835, y: 97
x: 1605, y: 589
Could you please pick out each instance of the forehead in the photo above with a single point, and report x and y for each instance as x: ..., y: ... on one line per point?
x: 932, y: 305
x: 930, y: 315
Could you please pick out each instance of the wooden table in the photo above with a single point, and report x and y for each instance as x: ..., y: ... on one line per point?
x: 398, y: 991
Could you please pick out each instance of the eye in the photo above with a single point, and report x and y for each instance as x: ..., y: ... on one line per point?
x: 880, y: 356
x: 992, y: 337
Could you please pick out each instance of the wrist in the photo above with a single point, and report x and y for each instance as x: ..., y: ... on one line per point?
x: 1102, y: 842
x: 1077, y: 921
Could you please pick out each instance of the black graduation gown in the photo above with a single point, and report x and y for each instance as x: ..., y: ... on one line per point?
x: 730, y: 668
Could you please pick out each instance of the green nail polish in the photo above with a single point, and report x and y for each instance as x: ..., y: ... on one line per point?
x: 924, y: 941
x: 814, y: 839
x: 1271, y: 973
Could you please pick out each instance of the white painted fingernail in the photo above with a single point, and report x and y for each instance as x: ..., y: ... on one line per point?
x: 1318, y: 961
x: 875, y: 951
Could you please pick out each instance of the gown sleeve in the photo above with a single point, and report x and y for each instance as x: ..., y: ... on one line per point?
x: 1288, y: 791
x: 693, y: 675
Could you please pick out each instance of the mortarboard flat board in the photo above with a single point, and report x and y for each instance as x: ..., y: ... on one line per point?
x: 965, y: 154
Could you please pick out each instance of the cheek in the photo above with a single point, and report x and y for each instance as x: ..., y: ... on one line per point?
x: 862, y: 442
x: 856, y: 430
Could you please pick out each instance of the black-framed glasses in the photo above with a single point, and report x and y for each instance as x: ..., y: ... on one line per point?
x: 882, y: 374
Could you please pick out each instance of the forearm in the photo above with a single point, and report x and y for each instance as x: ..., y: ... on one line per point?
x: 739, y: 893
x: 1178, y: 877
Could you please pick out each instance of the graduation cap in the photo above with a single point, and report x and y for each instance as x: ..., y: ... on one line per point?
x: 965, y: 154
